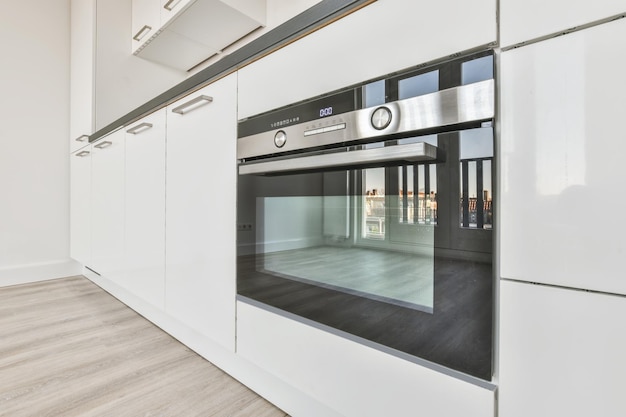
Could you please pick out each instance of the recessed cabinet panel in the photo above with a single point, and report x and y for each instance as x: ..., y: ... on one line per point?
x: 328, y: 59
x: 80, y: 205
x: 107, y: 220
x: 561, y: 352
x: 562, y: 207
x: 144, y: 202
x: 200, y: 210
x: 523, y: 20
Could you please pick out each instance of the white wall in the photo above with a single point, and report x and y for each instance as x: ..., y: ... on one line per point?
x: 34, y: 126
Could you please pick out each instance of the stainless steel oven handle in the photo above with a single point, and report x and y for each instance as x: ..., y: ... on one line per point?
x: 412, y: 152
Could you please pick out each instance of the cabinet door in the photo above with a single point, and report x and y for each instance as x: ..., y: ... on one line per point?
x: 82, y: 50
x: 144, y: 203
x: 169, y: 8
x: 200, y: 210
x: 146, y: 21
x: 80, y: 206
x: 562, y: 204
x: 107, y: 164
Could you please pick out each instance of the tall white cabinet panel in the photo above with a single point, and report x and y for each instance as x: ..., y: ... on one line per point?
x: 563, y: 205
x: 107, y: 220
x: 561, y: 352
x: 144, y: 203
x: 80, y: 205
x: 328, y: 59
x: 523, y: 20
x: 82, y: 70
x: 200, y: 210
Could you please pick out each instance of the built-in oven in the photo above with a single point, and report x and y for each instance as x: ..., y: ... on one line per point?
x: 368, y: 212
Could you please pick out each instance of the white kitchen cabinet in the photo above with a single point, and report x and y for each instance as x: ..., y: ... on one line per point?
x: 200, y: 210
x: 191, y: 31
x: 350, y: 378
x: 107, y: 220
x: 146, y: 21
x: 169, y: 8
x: 561, y: 352
x: 80, y: 205
x: 562, y: 205
x: 524, y: 20
x: 82, y: 70
x: 144, y: 209
x: 329, y: 59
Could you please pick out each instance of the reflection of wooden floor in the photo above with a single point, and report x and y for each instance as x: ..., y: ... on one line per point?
x: 68, y: 348
x: 394, y: 277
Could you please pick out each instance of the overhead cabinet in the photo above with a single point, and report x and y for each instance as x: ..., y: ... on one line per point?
x: 181, y: 34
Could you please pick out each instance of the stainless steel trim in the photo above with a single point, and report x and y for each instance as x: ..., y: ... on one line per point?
x: 171, y: 4
x: 411, y: 152
x: 103, y: 145
x: 142, y: 32
x: 200, y: 101
x: 82, y: 138
x: 82, y: 154
x: 139, y: 128
x: 436, y: 111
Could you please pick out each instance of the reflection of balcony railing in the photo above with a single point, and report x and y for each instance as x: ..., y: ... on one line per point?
x: 476, y: 212
x: 425, y: 212
x: 485, y: 221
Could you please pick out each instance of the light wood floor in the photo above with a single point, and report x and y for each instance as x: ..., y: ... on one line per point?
x: 67, y: 348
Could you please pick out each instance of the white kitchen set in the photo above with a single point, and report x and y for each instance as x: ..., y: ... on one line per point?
x: 363, y: 208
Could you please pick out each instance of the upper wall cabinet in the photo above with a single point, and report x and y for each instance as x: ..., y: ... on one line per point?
x: 182, y: 33
x: 523, y: 20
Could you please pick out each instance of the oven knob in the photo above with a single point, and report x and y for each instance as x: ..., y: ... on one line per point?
x: 280, y: 138
x: 381, y: 118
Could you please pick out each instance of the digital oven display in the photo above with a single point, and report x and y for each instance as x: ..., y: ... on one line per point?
x: 300, y: 113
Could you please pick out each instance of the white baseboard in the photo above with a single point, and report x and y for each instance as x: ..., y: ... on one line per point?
x: 43, y: 271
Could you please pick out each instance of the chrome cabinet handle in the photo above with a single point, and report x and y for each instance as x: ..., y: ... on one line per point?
x: 412, y: 152
x: 171, y: 4
x: 142, y: 32
x: 82, y: 154
x: 82, y: 138
x: 192, y: 104
x: 103, y: 145
x: 139, y: 128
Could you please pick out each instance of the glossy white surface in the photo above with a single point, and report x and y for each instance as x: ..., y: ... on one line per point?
x: 200, y: 213
x: 144, y: 208
x: 563, y: 146
x: 328, y: 59
x: 523, y: 20
x: 350, y: 378
x: 107, y: 207
x: 174, y: 7
x: 80, y: 206
x: 82, y: 70
x: 561, y: 352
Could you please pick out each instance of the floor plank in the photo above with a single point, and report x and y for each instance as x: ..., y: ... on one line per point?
x: 68, y: 348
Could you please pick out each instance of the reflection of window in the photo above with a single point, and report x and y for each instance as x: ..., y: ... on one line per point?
x: 374, y: 203
x: 476, y: 70
x: 418, y: 85
x: 417, y: 194
x: 476, y: 199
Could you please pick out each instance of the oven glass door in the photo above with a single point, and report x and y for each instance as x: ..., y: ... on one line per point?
x: 396, y: 256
